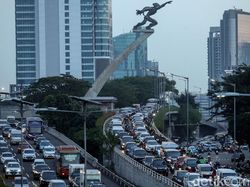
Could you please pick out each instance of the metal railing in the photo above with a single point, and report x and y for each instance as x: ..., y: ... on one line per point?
x: 90, y: 159
x: 159, y: 177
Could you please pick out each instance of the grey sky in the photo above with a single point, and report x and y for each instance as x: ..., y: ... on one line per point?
x: 179, y: 42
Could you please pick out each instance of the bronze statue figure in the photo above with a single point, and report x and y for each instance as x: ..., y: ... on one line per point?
x: 150, y: 11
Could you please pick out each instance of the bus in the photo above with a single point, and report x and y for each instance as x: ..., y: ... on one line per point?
x: 34, y: 126
x: 67, y: 154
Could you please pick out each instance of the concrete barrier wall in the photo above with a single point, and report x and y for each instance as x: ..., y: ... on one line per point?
x: 139, y: 174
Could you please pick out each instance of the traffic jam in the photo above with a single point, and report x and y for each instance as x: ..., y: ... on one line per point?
x: 28, y: 158
x: 195, y: 164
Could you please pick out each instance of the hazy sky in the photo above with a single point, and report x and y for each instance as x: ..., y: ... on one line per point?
x: 179, y: 42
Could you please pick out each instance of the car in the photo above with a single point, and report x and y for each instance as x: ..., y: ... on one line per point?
x: 137, y: 153
x: 178, y: 176
x: 205, y: 170
x: 150, y: 145
x: 190, y: 164
x: 12, y: 169
x: 57, y: 183
x: 36, y: 171
x: 124, y: 140
x: 29, y: 154
x: 22, y: 146
x: 4, y: 149
x: 2, y: 140
x: 129, y: 146
x: 6, y: 156
x: 238, y: 157
x: 6, y: 130
x: 97, y: 185
x: 38, y: 138
x: 37, y: 161
x: 189, y: 179
x: 7, y: 161
x: 49, y: 152
x: 43, y: 143
x: 148, y: 160
x: 18, y: 182
x: 46, y: 176
x: 159, y: 165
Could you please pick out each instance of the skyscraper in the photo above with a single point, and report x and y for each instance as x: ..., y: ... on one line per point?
x: 229, y: 44
x: 214, y: 53
x: 135, y: 64
x: 235, y: 38
x: 56, y: 37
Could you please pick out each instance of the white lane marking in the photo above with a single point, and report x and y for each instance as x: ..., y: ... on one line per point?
x: 34, y: 184
x: 27, y: 175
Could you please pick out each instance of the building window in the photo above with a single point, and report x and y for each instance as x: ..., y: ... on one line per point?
x: 67, y: 60
x: 66, y: 27
x: 66, y: 1
x: 67, y: 54
x: 66, y: 14
x: 67, y: 41
x: 67, y: 47
x: 66, y: 7
x: 67, y: 67
x: 66, y: 21
x: 66, y: 34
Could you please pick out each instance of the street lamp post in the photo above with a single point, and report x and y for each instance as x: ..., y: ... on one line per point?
x: 84, y: 102
x: 187, y: 91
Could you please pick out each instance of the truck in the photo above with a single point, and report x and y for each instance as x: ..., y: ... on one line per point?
x: 93, y: 176
x: 34, y: 127
x: 15, y: 136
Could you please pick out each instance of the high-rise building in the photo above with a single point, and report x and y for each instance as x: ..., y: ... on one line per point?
x: 134, y: 65
x: 229, y: 44
x: 214, y: 53
x: 56, y: 37
x: 235, y: 38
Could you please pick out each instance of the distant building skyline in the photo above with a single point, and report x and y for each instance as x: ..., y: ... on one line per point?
x: 62, y: 37
x: 229, y: 44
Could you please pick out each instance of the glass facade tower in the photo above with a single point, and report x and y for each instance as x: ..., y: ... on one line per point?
x: 235, y: 38
x: 136, y: 62
x: 62, y: 37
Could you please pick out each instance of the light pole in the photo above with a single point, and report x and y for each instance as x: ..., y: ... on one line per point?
x: 187, y: 91
x: 234, y: 95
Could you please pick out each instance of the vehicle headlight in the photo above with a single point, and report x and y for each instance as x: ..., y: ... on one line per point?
x: 36, y: 172
x: 19, y: 170
x: 7, y: 170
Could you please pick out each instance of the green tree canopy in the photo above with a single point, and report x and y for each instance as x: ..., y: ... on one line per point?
x: 130, y: 90
x: 225, y: 105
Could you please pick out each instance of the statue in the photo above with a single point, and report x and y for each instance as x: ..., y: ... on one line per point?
x: 150, y: 11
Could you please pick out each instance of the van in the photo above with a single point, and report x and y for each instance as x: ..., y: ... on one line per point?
x: 15, y: 136
x: 223, y: 173
x: 205, y: 170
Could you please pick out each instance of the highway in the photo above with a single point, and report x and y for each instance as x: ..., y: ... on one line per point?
x: 27, y: 170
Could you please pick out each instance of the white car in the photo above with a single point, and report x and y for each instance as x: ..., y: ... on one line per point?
x: 29, y: 154
x: 37, y: 161
x: 57, y: 183
x: 151, y: 144
x: 49, y: 152
x: 6, y: 156
x: 12, y: 169
x: 190, y: 179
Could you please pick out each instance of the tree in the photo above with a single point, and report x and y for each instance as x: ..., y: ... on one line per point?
x: 225, y: 105
x: 131, y: 90
x: 66, y: 84
x: 194, y: 114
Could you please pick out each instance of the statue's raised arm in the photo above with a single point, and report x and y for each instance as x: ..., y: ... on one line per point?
x: 168, y: 2
x: 147, y: 17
